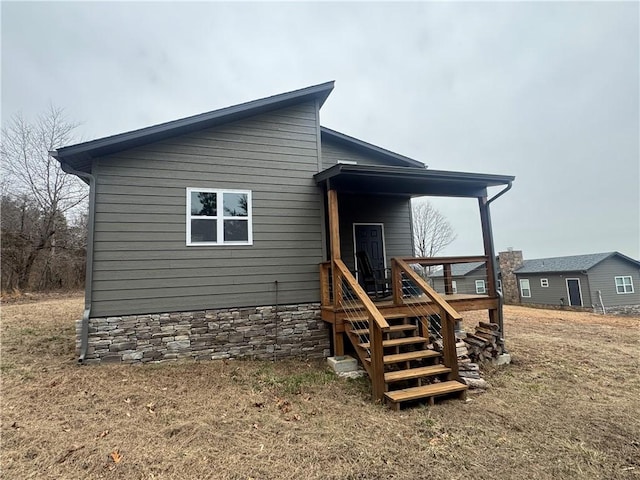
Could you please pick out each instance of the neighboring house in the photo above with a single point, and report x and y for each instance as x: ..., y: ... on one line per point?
x: 609, y: 279
x: 467, y: 278
x: 215, y: 236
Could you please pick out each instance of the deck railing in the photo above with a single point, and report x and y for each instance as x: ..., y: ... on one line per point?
x: 341, y: 292
x: 355, y: 302
x: 402, y: 273
x: 427, y: 263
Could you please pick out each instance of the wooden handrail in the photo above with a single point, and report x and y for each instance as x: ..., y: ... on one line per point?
x: 448, y: 316
x: 443, y: 260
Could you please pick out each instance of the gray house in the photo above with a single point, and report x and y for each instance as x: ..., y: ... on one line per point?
x: 233, y: 234
x: 466, y: 278
x: 594, y: 280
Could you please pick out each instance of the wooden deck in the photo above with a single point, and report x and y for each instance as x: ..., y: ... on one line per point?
x: 423, y: 305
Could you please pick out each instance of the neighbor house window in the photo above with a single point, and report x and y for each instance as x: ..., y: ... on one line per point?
x: 624, y: 285
x: 544, y: 282
x: 218, y: 217
x: 480, y: 286
x: 525, y: 289
x: 454, y: 286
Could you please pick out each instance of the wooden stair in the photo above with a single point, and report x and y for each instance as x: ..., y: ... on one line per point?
x: 430, y: 391
x: 412, y: 372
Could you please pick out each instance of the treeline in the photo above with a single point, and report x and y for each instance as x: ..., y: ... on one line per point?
x: 42, y: 216
x: 36, y: 256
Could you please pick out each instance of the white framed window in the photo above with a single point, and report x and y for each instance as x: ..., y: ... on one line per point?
x: 454, y: 286
x: 218, y: 217
x: 525, y: 288
x: 480, y: 288
x: 544, y: 282
x: 624, y: 284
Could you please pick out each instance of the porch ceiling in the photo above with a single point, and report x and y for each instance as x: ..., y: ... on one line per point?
x: 408, y: 181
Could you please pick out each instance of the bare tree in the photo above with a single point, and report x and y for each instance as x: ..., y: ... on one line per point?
x: 29, y: 172
x: 432, y: 232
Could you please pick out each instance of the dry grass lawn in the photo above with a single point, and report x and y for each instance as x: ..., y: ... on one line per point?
x: 567, y: 407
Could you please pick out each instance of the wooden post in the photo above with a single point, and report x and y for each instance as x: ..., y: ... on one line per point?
x: 449, y: 353
x: 325, y: 294
x: 396, y: 282
x: 487, y: 237
x: 334, y: 239
x: 448, y: 279
x: 377, y: 360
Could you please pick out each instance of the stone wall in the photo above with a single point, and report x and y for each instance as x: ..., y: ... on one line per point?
x: 508, y: 262
x: 626, y: 310
x: 255, y: 333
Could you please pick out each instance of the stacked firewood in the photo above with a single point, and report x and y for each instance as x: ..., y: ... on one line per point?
x: 468, y: 371
x: 485, y: 343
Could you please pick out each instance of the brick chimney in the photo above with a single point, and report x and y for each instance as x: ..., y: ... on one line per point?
x: 509, y: 261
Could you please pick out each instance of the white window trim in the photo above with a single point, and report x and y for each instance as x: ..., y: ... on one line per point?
x: 624, y: 285
x: 220, y: 217
x: 454, y: 286
x: 544, y: 282
x: 523, y: 288
x: 481, y: 288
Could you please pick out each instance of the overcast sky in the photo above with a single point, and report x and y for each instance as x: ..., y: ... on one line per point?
x: 548, y: 92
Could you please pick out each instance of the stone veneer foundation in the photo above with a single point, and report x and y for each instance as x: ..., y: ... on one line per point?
x: 267, y: 333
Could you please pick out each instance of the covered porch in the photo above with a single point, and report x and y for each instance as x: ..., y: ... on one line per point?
x: 392, y: 333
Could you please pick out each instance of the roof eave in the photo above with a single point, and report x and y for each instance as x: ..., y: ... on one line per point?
x: 369, y: 148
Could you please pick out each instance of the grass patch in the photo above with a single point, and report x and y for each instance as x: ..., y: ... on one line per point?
x: 293, y: 383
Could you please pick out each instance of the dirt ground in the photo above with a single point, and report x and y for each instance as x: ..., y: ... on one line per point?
x: 567, y: 407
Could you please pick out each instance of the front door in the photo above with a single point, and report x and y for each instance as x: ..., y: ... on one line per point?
x: 370, y: 238
x: 574, y: 292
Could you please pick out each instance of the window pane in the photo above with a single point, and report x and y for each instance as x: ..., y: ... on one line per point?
x: 203, y: 230
x: 236, y: 231
x: 235, y: 204
x: 203, y: 203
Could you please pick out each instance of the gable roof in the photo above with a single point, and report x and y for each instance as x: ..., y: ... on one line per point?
x: 573, y: 263
x: 460, y: 269
x: 369, y: 149
x: 79, y: 156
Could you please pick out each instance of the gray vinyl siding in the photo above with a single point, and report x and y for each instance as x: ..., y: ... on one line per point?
x: 141, y: 261
x: 556, y: 290
x: 333, y: 152
x: 602, y: 277
x: 392, y: 212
